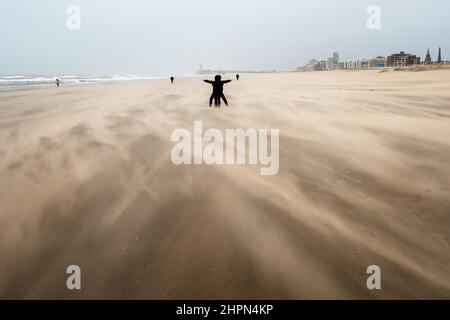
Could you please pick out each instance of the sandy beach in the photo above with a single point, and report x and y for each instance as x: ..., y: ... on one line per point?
x: 364, y: 179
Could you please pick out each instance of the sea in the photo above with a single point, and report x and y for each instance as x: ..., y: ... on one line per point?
x: 35, y: 81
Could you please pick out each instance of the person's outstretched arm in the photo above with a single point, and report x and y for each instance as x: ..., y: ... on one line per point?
x: 208, y: 81
x: 226, y: 81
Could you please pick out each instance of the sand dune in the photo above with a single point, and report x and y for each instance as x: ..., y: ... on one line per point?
x: 364, y: 180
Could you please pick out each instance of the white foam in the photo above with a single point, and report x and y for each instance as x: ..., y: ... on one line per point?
x: 8, y: 81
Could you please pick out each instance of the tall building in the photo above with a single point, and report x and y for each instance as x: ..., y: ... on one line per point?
x: 336, y: 58
x: 439, y: 56
x: 324, y: 65
x: 428, y: 58
x: 402, y: 59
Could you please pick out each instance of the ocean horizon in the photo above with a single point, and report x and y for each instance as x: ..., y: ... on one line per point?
x: 32, y: 81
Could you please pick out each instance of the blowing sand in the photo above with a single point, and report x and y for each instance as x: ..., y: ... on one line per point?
x: 87, y: 179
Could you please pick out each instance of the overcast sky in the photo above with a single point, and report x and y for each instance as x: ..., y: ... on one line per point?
x: 147, y: 37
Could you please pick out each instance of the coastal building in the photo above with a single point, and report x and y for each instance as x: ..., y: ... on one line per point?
x: 364, y: 63
x: 350, y: 64
x: 334, y: 63
x: 428, y: 58
x: 439, y: 56
x: 377, y: 62
x: 331, y: 65
x: 336, y: 58
x: 312, y: 65
x: 343, y: 65
x: 324, y: 65
x: 402, y: 59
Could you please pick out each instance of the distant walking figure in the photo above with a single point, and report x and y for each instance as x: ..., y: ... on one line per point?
x: 57, y: 82
x: 217, y: 93
x: 237, y: 77
x: 171, y: 79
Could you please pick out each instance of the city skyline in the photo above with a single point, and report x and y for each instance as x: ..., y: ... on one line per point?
x: 401, y: 59
x: 437, y: 55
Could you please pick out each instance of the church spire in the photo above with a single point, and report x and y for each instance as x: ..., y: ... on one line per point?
x: 428, y: 58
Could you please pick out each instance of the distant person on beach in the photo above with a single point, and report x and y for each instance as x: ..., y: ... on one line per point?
x: 217, y: 93
x: 57, y: 82
x: 171, y: 79
x: 237, y: 77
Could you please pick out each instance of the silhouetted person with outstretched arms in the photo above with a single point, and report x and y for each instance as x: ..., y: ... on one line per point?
x: 237, y: 77
x: 57, y: 82
x: 217, y: 93
x: 171, y: 79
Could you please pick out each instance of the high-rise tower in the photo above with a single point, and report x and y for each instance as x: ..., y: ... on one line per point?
x: 335, y: 58
x: 428, y: 58
x: 439, y: 56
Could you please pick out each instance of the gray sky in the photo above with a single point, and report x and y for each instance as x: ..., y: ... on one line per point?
x: 175, y: 36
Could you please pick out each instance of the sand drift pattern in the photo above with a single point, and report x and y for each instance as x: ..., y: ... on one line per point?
x: 87, y: 180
